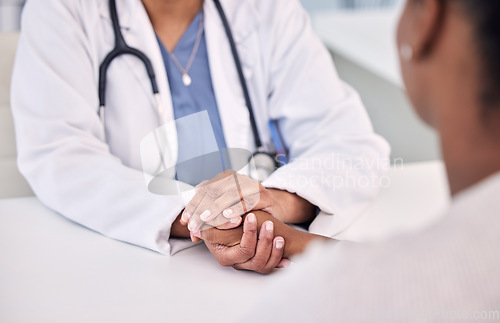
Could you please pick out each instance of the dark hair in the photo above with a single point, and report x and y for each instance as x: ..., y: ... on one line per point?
x: 485, y: 17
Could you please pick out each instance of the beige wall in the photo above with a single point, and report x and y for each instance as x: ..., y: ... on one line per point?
x: 391, y: 114
x: 12, y: 184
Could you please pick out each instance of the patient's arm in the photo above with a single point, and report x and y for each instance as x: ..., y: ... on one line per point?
x: 179, y: 230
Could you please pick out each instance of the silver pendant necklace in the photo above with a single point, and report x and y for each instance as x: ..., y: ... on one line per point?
x: 186, y: 79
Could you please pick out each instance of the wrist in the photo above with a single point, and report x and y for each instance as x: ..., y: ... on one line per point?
x: 292, y: 208
x: 178, y: 230
x: 296, y: 241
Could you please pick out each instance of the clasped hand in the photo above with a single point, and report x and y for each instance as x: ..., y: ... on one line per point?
x: 246, y: 247
x: 215, y: 214
x: 221, y: 202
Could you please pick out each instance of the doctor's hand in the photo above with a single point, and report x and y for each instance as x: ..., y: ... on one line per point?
x: 247, y: 247
x: 221, y: 201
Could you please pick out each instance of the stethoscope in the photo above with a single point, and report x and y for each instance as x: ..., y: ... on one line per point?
x: 264, y: 163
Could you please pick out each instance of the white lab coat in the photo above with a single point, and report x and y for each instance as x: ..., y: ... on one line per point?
x: 96, y: 180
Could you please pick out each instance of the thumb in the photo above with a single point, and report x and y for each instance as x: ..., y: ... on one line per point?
x: 228, y: 238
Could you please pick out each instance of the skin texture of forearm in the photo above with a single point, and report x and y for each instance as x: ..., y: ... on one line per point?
x: 295, y: 241
x: 294, y: 208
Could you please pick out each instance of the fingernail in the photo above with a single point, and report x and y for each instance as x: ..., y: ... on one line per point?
x: 227, y: 212
x: 279, y: 243
x: 196, y: 234
x: 235, y: 220
x: 251, y: 218
x: 269, y: 226
x: 205, y: 215
x: 191, y: 226
x: 188, y: 215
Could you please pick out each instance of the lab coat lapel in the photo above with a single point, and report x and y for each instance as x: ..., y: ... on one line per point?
x: 139, y: 33
x: 228, y: 92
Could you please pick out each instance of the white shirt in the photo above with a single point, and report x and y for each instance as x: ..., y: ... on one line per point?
x: 451, y: 270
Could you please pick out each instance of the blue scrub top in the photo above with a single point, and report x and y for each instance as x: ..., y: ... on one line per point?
x: 188, y: 100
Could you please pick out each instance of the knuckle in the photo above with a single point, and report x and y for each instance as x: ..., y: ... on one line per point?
x: 250, y: 201
x: 207, y: 235
x: 203, y: 183
x: 225, y: 263
x: 266, y: 239
x: 246, y: 252
x: 233, y: 194
x: 212, y: 191
x: 200, y: 191
x: 264, y: 271
x: 216, y: 191
x: 237, y: 208
x: 259, y: 263
x: 242, y: 266
x: 251, y: 229
x: 253, y: 232
x: 192, y: 204
x: 216, y: 206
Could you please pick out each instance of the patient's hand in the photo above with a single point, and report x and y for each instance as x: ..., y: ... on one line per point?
x: 245, y: 247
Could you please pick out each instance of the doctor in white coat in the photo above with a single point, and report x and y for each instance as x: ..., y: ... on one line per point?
x: 92, y: 173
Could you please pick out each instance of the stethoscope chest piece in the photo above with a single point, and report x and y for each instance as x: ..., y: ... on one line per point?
x: 262, y: 166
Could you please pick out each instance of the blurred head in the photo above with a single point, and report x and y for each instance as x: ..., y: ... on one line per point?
x: 450, y: 61
x: 447, y: 46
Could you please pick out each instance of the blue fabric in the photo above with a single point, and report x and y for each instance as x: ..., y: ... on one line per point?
x: 188, y: 100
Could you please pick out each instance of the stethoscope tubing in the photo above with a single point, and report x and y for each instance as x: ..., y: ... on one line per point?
x: 241, y: 76
x: 121, y: 48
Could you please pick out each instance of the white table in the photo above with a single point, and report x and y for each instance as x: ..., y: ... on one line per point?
x: 53, y: 270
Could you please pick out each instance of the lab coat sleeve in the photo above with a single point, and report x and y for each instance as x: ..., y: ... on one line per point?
x: 60, y: 139
x: 337, y: 161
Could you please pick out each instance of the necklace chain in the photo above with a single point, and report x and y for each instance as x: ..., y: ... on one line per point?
x: 184, y: 70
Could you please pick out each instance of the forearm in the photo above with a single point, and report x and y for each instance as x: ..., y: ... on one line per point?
x: 294, y: 209
x: 179, y: 230
x: 295, y: 241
